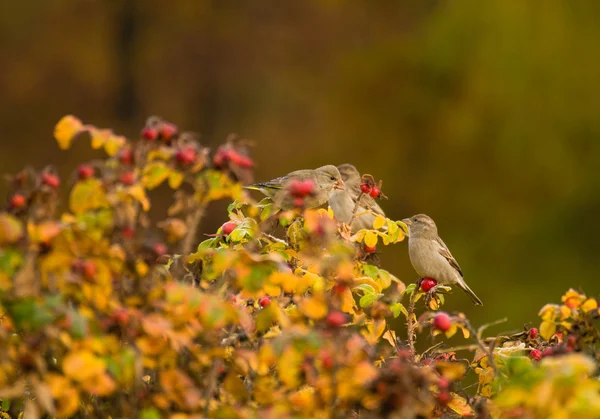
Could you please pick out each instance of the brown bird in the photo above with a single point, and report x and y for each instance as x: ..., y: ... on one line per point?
x: 342, y: 202
x: 324, y: 179
x: 430, y: 256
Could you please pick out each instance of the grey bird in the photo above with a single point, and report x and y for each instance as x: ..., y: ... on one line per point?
x: 342, y: 202
x: 430, y: 256
x: 325, y: 180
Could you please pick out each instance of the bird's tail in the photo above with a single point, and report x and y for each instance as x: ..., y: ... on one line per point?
x: 470, y: 293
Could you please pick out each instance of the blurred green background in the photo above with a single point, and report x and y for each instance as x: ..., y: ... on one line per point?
x: 484, y: 115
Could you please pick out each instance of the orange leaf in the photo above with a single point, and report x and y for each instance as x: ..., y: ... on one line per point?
x: 66, y: 129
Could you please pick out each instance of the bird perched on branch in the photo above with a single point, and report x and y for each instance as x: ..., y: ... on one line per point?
x: 430, y: 256
x: 302, y: 188
x: 344, y: 201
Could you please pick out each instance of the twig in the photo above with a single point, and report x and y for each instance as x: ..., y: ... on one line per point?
x: 275, y: 239
x: 192, y: 221
x: 354, y: 211
x: 410, y: 323
x: 486, y: 349
x: 212, y: 383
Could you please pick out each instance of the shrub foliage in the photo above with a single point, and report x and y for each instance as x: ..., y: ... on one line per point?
x: 105, y: 313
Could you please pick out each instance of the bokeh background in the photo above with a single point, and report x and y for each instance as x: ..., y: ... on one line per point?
x: 484, y: 115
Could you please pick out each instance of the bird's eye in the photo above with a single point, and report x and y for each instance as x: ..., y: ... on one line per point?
x: 332, y: 178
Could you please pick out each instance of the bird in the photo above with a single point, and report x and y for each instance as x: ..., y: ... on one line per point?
x: 324, y: 180
x: 342, y: 202
x: 430, y: 256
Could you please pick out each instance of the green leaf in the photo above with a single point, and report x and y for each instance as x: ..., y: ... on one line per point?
x: 410, y: 289
x: 266, y: 211
x: 10, y: 261
x: 385, y: 279
x: 29, y: 314
x: 87, y: 195
x: 368, y: 299
x: 366, y: 289
x: 154, y: 174
x: 209, y: 243
x: 398, y: 308
x: 150, y: 413
x: 371, y: 271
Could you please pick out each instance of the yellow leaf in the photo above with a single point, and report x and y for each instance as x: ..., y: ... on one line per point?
x: 113, y: 144
x: 347, y: 301
x: 370, y: 239
x: 374, y: 331
x: 11, y: 229
x: 98, y: 137
x: 314, y: 308
x: 154, y: 174
x: 175, y: 179
x: 66, y: 129
x: 83, y: 365
x: 451, y: 370
x: 547, y: 329
x: 459, y: 405
x: 139, y: 194
x: 390, y: 336
x: 589, y: 305
x: 379, y: 222
x: 87, y: 195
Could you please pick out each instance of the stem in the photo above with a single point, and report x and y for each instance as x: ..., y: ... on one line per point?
x: 486, y: 349
x: 354, y: 211
x: 192, y: 221
x: 410, y: 323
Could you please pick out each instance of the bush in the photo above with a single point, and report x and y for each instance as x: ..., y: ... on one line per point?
x: 107, y: 314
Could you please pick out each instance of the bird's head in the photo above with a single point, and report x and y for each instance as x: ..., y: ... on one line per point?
x: 329, y: 178
x: 421, y: 225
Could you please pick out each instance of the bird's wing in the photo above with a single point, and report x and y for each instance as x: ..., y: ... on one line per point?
x: 269, y: 184
x: 448, y: 256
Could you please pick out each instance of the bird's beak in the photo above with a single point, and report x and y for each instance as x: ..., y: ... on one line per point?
x: 339, y: 185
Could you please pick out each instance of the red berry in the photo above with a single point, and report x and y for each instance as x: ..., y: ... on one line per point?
x: 160, y: 249
x: 442, y: 322
x: 375, y: 192
x: 150, y: 133
x: 370, y: 249
x: 427, y: 284
x: 121, y: 316
x: 127, y: 178
x: 548, y: 352
x: 444, y: 397
x: 327, y: 360
x: 366, y: 189
x: 339, y: 289
x: 228, y: 227
x: 536, y: 354
x: 571, y: 341
x: 301, y: 188
x: 245, y: 162
x: 443, y: 382
x: 126, y: 156
x: 50, y: 179
x: 186, y: 155
x: 85, y: 171
x: 265, y: 301
x: 89, y: 269
x: 298, y: 202
x: 336, y: 319
x: 167, y: 131
x: 18, y: 201
x: 127, y: 232
x: 533, y: 332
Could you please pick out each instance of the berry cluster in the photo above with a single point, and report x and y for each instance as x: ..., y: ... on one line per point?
x: 300, y: 189
x: 158, y: 129
x: 369, y: 187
